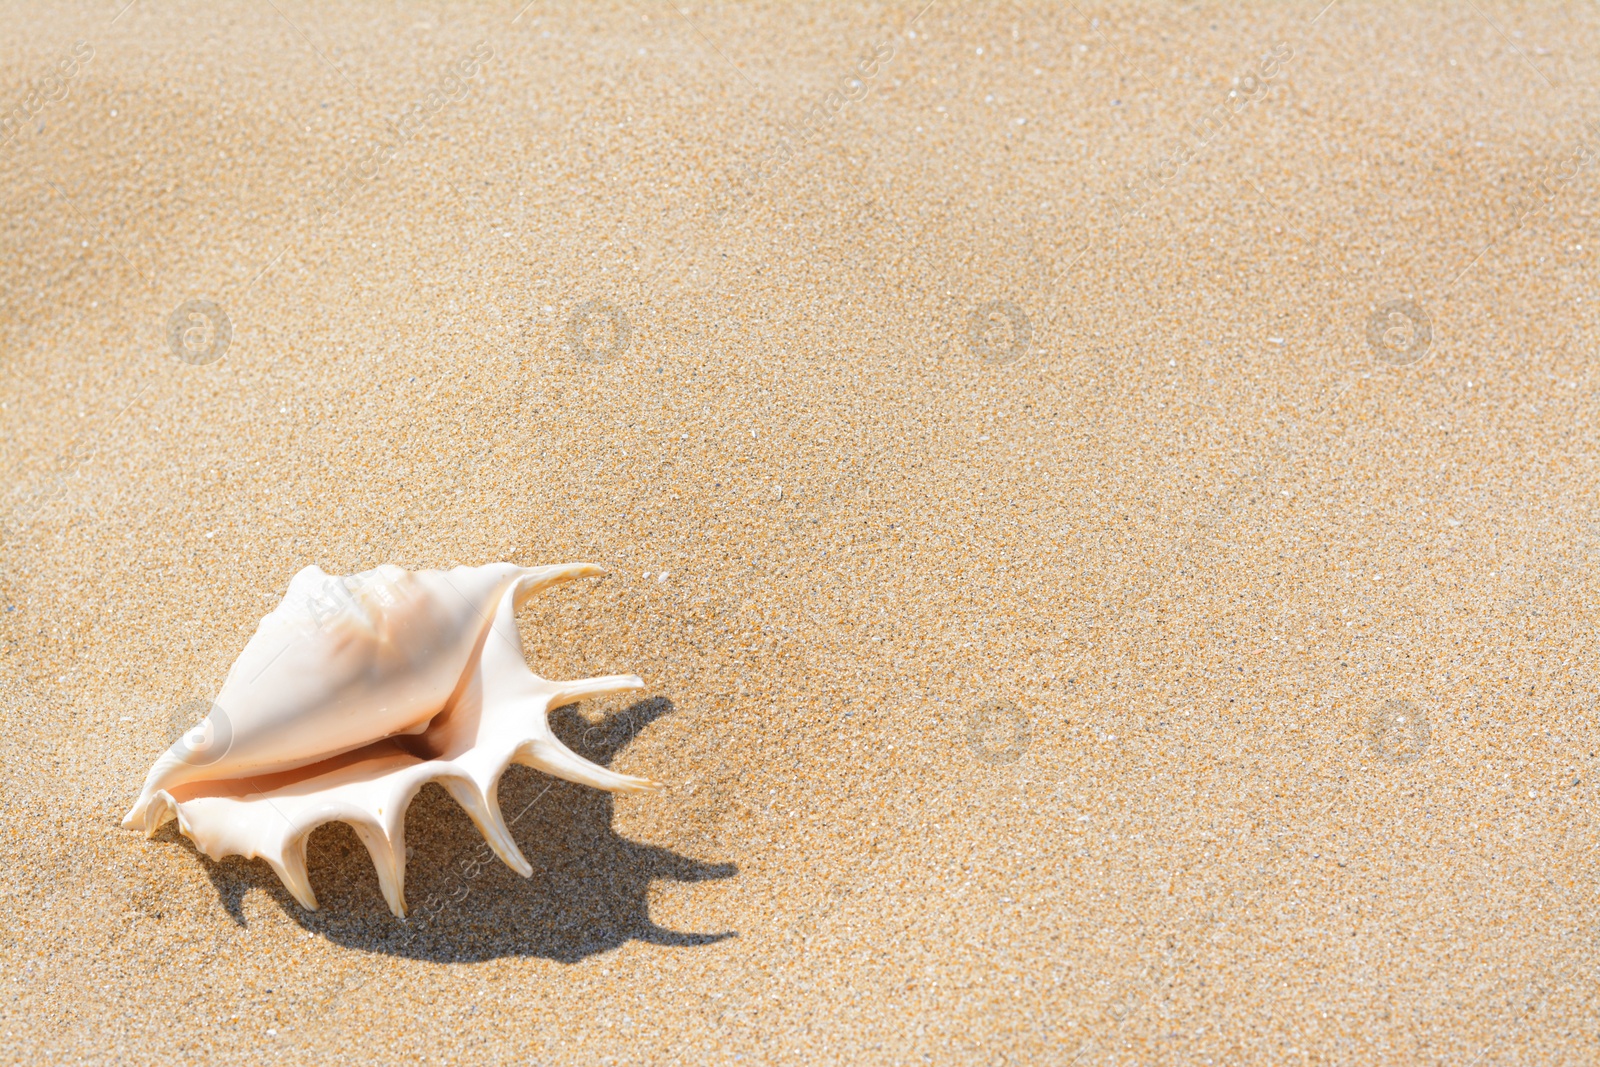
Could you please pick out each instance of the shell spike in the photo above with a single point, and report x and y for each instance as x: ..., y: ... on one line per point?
x: 136, y: 816
x: 389, y: 857
x: 585, y: 688
x: 485, y: 814
x: 548, y: 754
x: 537, y: 579
x: 291, y: 867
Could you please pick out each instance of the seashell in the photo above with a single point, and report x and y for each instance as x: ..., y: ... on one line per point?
x: 355, y: 692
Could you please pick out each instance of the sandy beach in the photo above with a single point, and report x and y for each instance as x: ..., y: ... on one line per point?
x: 1103, y: 499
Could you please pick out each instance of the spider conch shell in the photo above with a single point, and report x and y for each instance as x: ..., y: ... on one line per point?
x: 355, y: 692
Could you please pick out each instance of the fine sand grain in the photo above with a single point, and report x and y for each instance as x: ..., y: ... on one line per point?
x: 1103, y: 498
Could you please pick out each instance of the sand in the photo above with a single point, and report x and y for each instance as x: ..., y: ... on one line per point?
x: 1103, y: 499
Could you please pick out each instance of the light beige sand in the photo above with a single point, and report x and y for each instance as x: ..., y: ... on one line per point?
x: 1042, y: 709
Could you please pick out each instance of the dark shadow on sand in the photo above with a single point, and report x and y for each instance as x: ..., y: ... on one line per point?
x: 590, y: 887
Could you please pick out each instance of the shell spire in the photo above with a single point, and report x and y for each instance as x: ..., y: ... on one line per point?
x: 342, y: 713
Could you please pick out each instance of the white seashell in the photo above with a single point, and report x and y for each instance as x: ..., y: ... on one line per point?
x: 355, y: 692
